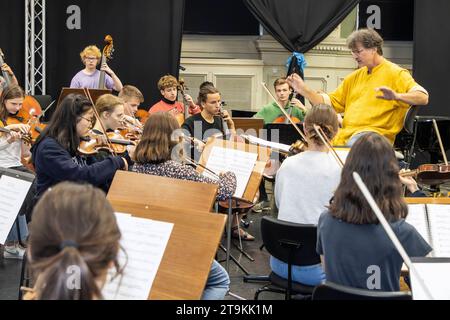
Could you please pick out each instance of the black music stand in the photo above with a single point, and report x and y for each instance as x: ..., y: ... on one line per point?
x: 26, y: 177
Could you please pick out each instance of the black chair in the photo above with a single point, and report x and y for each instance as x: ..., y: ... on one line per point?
x: 292, y: 243
x: 406, y: 139
x: 333, y: 291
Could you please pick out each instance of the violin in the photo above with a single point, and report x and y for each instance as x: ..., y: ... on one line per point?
x: 25, y: 137
x: 130, y: 131
x: 108, y: 50
x: 23, y: 117
x: 142, y: 115
x: 93, y: 144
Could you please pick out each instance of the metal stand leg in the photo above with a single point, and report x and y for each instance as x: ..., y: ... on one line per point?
x: 240, y: 247
x: 230, y: 216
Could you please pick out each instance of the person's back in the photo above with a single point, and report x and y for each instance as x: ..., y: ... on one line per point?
x: 73, y: 232
x: 355, y: 249
x: 304, y: 186
x: 362, y: 256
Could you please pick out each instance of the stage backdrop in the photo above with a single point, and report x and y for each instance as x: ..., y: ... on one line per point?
x: 12, y: 35
x: 431, y: 53
x: 147, y: 39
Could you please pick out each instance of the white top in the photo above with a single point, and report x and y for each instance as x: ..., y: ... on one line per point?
x: 304, y: 185
x: 10, y: 153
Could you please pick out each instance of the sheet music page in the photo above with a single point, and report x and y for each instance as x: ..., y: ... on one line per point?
x: 144, y: 242
x: 237, y: 161
x: 417, y: 218
x: 439, y: 216
x: 435, y: 276
x: 12, y: 194
x: 265, y: 143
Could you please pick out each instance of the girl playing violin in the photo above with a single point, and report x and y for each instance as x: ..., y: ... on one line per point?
x: 55, y: 153
x: 157, y: 154
x: 304, y: 186
x: 12, y: 149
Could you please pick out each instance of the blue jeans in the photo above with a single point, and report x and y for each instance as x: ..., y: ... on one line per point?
x: 13, y: 236
x: 308, y: 275
x: 218, y: 283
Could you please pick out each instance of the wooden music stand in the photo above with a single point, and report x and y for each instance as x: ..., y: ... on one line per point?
x: 187, y: 260
x: 252, y: 185
x: 95, y: 93
x: 246, y: 124
x: 148, y: 190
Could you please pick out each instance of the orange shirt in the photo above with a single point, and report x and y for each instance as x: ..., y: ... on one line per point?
x: 177, y: 107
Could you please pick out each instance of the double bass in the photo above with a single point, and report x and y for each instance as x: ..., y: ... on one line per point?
x: 107, y: 53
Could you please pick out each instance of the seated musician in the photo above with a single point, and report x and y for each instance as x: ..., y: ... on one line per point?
x: 111, y: 111
x: 12, y: 148
x: 304, y: 186
x: 132, y: 97
x: 89, y: 77
x: 55, y: 153
x: 374, y: 98
x: 271, y: 112
x: 350, y: 238
x: 157, y: 154
x: 168, y: 87
x: 211, y: 121
x: 73, y: 226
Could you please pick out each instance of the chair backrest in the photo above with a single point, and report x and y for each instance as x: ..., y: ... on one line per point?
x: 333, y: 291
x: 408, y: 123
x: 242, y: 113
x: 274, y: 232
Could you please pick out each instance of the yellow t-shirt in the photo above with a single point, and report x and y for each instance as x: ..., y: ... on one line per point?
x: 357, y: 98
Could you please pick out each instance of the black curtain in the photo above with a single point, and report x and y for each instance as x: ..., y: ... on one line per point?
x: 299, y: 25
x: 147, y: 40
x: 12, y: 35
x: 431, y: 58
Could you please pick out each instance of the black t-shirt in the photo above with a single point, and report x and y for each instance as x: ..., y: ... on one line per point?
x: 197, y: 127
x: 363, y: 256
x: 201, y: 129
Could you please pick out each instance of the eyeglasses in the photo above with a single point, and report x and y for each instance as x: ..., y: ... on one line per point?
x: 91, y: 58
x: 358, y: 52
x: 91, y: 120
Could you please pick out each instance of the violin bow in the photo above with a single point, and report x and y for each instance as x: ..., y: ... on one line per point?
x: 440, y: 141
x: 327, y: 143
x: 284, y: 112
x: 196, y: 164
x: 88, y: 95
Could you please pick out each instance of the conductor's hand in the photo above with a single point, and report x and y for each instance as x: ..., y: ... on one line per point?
x: 297, y: 103
x: 296, y: 83
x: 387, y: 93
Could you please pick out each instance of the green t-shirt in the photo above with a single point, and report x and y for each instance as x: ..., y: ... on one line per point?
x: 271, y: 111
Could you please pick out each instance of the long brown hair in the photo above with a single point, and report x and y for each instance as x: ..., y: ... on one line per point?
x: 11, y: 92
x: 73, y: 228
x: 373, y: 158
x: 323, y: 116
x: 157, y: 142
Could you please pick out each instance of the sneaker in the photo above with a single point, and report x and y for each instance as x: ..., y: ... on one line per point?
x: 13, y: 252
x: 261, y: 206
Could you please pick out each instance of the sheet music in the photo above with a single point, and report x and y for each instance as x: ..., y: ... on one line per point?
x: 265, y: 143
x: 417, y: 218
x: 237, y: 161
x: 435, y: 276
x: 12, y: 194
x: 144, y: 242
x: 439, y: 217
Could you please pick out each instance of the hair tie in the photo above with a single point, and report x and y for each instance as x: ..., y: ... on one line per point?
x: 68, y: 243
